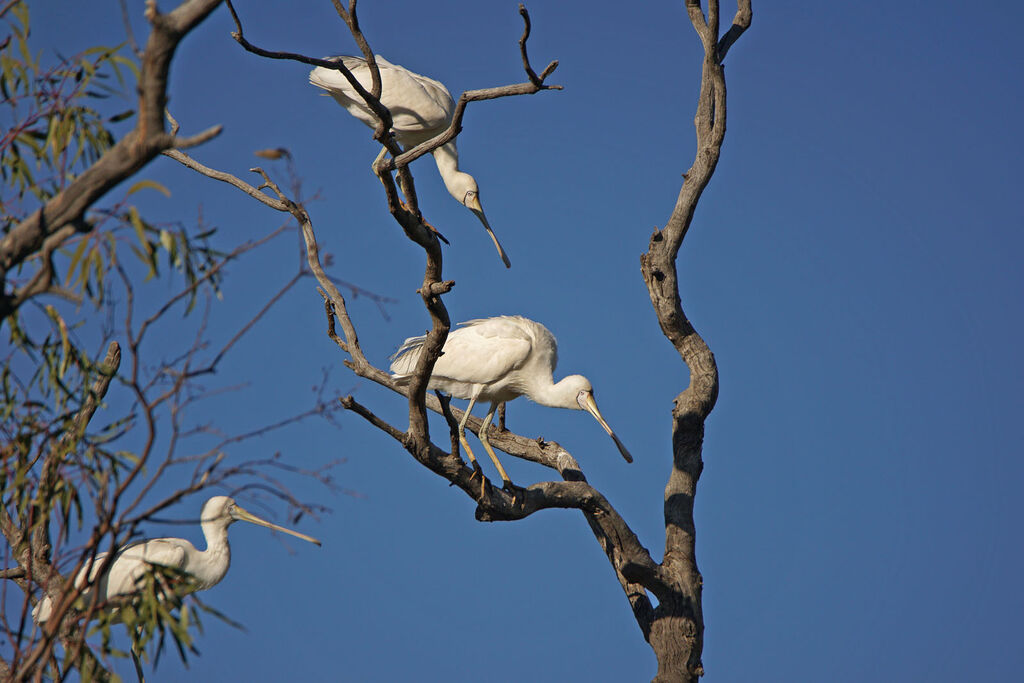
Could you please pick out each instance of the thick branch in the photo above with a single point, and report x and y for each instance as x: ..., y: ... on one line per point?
x: 625, y: 552
x: 740, y: 23
x: 125, y: 158
x: 678, y: 627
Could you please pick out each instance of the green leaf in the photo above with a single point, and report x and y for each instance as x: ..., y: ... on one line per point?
x: 117, y: 118
x: 79, y: 250
x: 140, y: 229
x: 167, y: 240
x: 151, y: 184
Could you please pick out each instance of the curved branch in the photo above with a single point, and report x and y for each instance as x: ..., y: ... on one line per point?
x: 370, y: 97
x: 740, y: 23
x: 630, y: 559
x: 681, y: 613
x: 536, y: 80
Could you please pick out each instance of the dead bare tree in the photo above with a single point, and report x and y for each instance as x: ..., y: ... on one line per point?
x: 674, y: 628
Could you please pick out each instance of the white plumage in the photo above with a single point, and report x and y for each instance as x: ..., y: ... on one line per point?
x: 496, y: 360
x: 421, y: 108
x: 206, y: 567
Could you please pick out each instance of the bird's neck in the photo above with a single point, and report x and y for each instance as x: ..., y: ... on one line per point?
x: 551, y: 394
x: 447, y: 158
x: 217, y: 557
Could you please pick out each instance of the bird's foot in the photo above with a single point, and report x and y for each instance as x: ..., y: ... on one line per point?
x: 434, y: 230
x: 511, y: 489
x: 479, y: 471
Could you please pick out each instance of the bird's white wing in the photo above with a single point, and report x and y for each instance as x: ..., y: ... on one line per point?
x: 483, y: 351
x: 126, y: 571
x: 479, y: 352
x: 404, y: 360
x: 416, y: 103
x: 41, y: 612
x: 134, y: 561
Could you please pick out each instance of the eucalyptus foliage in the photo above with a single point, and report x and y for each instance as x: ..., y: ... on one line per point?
x: 82, y: 467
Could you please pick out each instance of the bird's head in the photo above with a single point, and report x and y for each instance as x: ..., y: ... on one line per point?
x: 578, y: 387
x: 224, y: 510
x: 471, y: 199
x: 584, y: 393
x: 464, y: 188
x: 218, y: 508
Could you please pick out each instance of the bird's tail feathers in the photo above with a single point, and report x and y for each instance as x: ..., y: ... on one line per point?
x: 403, y: 361
x: 402, y: 380
x: 332, y: 80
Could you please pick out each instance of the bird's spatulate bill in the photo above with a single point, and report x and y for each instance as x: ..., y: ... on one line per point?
x: 479, y: 212
x: 244, y: 515
x: 590, y: 405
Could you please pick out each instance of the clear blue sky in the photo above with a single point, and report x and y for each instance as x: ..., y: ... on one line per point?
x: 855, y: 266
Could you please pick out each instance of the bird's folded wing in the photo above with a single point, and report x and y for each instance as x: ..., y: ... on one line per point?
x: 480, y: 359
x: 133, y: 562
x: 416, y: 103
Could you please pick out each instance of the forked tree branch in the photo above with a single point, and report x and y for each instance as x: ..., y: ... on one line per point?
x: 681, y: 614
x: 740, y: 23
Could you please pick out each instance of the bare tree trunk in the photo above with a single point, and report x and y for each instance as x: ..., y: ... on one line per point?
x: 677, y: 628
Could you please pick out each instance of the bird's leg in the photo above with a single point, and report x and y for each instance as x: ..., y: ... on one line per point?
x: 507, y: 483
x: 465, y: 445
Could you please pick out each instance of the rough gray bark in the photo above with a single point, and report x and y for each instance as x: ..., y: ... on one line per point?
x: 677, y: 629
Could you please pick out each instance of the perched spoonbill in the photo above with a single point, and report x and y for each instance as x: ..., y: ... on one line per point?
x: 421, y: 108
x: 496, y: 360
x: 206, y: 567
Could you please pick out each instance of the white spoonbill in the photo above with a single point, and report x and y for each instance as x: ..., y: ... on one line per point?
x: 206, y: 567
x: 496, y: 360
x: 421, y: 108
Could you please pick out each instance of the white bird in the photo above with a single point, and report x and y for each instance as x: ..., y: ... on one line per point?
x: 421, y: 108
x: 498, y: 359
x: 128, y: 570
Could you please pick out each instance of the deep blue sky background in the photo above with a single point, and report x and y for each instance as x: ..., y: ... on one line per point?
x: 854, y: 265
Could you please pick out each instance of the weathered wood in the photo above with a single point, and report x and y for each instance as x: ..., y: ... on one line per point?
x: 677, y: 629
